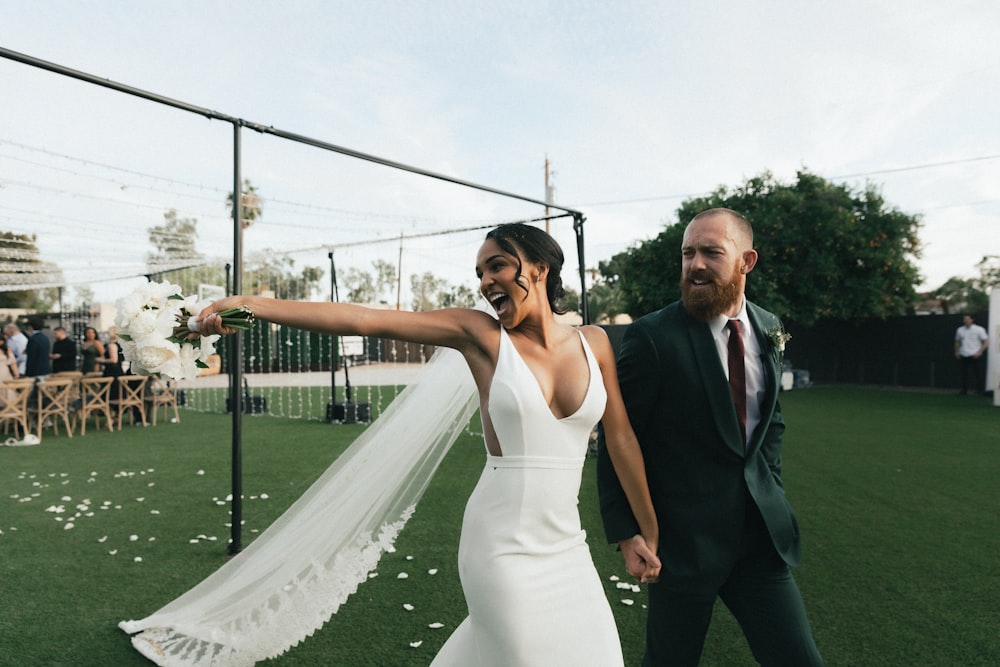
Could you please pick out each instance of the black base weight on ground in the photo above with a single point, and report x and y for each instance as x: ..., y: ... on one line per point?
x: 350, y: 412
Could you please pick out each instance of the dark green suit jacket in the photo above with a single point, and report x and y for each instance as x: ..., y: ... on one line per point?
x: 700, y: 478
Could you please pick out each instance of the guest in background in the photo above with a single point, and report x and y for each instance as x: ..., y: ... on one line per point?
x: 112, y: 363
x: 111, y: 360
x: 37, y: 363
x: 63, y: 354
x: 971, y: 341
x: 17, y: 342
x: 91, y: 348
x: 8, y: 364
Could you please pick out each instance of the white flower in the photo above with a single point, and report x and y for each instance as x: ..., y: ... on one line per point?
x: 153, y: 325
x: 778, y: 338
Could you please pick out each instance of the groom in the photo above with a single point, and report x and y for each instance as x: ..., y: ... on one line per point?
x: 713, y: 458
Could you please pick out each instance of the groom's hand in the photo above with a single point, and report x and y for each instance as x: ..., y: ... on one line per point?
x: 640, y: 561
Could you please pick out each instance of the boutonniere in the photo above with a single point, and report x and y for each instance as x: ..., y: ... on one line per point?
x: 778, y: 338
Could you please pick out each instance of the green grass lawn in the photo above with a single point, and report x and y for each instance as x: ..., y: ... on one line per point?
x: 896, y: 492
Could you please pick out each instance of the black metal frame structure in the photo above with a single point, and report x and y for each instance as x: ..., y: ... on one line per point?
x: 236, y: 350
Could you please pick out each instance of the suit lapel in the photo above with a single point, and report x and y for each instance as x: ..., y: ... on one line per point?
x: 713, y: 376
x: 762, y: 322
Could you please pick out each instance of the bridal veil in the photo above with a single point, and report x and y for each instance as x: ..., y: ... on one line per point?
x: 289, y: 581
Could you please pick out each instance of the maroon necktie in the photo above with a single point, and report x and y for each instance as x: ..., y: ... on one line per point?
x: 738, y: 375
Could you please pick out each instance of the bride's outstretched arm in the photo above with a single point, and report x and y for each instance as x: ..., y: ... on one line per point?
x: 452, y: 327
x: 626, y: 457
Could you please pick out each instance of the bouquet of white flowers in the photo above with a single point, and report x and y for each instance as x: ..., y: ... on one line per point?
x: 155, y: 323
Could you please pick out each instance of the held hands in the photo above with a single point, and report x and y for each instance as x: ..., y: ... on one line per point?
x: 640, y: 559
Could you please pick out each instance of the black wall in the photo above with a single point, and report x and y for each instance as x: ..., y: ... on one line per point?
x: 909, y: 351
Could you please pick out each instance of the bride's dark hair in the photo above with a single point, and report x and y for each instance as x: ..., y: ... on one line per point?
x: 537, y: 247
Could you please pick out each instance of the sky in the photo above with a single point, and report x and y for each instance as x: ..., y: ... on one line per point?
x: 635, y: 105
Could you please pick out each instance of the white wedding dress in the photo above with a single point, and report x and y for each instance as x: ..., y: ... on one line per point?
x: 533, y: 593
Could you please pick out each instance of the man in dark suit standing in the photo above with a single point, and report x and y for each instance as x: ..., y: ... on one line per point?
x: 37, y: 351
x: 702, y: 395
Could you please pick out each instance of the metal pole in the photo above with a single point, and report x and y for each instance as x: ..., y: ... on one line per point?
x: 578, y: 219
x: 334, y: 297
x: 236, y: 357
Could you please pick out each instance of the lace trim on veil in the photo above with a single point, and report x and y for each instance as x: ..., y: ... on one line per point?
x: 289, y: 581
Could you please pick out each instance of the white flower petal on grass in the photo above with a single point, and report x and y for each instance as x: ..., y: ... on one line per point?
x: 152, y: 539
x: 113, y: 552
x: 68, y: 526
x: 613, y: 577
x: 264, y: 496
x: 137, y: 559
x: 154, y: 511
x: 409, y: 558
x: 408, y: 607
x: 55, y: 509
x: 200, y: 472
x: 432, y: 571
x: 139, y: 500
x: 623, y: 585
x: 628, y: 602
x: 402, y: 575
x: 66, y: 499
x: 102, y: 539
x: 194, y: 541
x: 415, y: 644
x: 133, y: 538
x: 635, y: 588
x: 435, y: 626
x: 372, y: 575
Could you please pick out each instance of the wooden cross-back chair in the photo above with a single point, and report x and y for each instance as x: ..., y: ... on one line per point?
x: 14, y: 395
x: 52, y: 402
x: 162, y: 394
x: 131, y: 398
x: 95, y: 401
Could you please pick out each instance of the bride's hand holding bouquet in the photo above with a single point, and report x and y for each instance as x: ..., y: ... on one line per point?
x: 223, y: 317
x: 157, y: 327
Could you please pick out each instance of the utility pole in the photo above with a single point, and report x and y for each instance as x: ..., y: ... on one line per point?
x: 399, y: 272
x: 548, y: 195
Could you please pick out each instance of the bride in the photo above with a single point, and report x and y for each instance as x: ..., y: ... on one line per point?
x: 533, y: 594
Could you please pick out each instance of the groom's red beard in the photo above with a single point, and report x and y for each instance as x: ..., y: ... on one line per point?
x: 709, y: 301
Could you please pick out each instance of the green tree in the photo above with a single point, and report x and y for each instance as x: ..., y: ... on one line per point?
x: 252, y: 204
x: 425, y: 288
x: 385, y: 280
x: 365, y: 287
x: 360, y: 286
x: 431, y: 292
x: 826, y: 250
x: 278, y: 274
x: 970, y: 294
x: 84, y: 297
x: 175, y: 255
x: 29, y: 282
x: 604, y: 301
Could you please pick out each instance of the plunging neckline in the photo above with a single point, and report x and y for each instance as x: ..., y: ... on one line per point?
x: 538, y: 387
